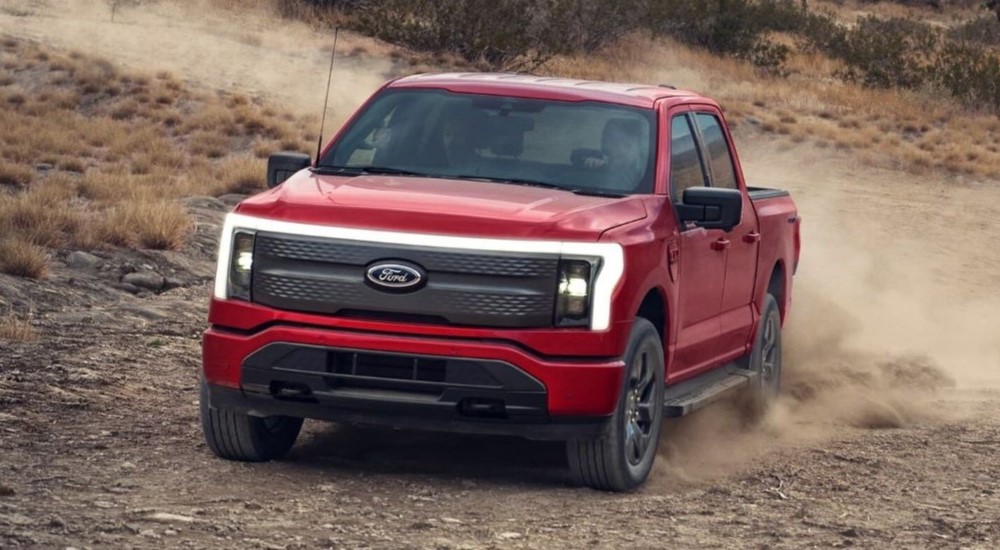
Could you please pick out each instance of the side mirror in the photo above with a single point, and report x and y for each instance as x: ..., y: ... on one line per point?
x: 711, y: 207
x: 281, y: 166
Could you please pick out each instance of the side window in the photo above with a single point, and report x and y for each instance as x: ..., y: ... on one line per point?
x: 685, y: 161
x: 718, y: 151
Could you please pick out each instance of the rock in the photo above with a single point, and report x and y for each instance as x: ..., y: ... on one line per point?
x: 83, y: 375
x: 231, y: 199
x: 170, y: 532
x: 104, y: 504
x: 82, y: 260
x: 149, y: 533
x: 149, y: 280
x: 131, y: 289
x: 147, y: 313
x: 165, y: 517
x: 7, y: 491
x: 509, y: 535
x: 15, y: 519
x: 44, y: 166
x: 209, y: 203
x: 6, y: 417
x: 57, y: 521
x: 452, y: 521
x: 170, y: 283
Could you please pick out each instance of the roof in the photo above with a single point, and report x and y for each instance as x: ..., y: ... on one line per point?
x: 638, y: 95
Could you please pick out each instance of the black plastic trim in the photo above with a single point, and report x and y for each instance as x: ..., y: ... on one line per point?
x: 400, y: 414
x: 761, y: 193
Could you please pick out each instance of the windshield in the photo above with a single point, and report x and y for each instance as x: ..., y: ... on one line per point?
x: 579, y: 146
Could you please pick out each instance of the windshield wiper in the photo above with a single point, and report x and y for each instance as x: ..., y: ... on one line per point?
x: 358, y: 170
x: 515, y: 181
x: 598, y: 193
x: 534, y: 183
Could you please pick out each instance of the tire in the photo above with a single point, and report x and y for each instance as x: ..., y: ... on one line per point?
x: 622, y: 459
x: 765, y: 358
x: 236, y: 436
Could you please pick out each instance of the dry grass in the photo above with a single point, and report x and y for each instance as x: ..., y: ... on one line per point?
x: 158, y: 225
x: 120, y: 148
x: 14, y: 329
x: 15, y: 174
x: 22, y: 258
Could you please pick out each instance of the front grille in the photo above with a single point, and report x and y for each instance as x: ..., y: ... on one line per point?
x: 393, y: 367
x: 321, y: 369
x: 462, y: 288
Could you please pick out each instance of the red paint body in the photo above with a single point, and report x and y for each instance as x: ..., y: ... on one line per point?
x: 712, y: 291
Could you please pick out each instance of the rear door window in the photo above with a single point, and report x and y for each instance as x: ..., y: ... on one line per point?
x: 723, y: 174
x: 686, y: 169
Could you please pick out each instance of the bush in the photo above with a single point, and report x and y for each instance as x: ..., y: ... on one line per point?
x: 499, y: 34
x: 888, y: 53
x: 970, y: 74
x: 984, y: 30
x: 728, y: 27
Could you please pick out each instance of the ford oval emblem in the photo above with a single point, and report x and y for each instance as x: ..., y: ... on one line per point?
x: 394, y: 276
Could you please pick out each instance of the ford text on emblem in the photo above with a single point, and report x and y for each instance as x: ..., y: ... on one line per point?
x: 394, y: 276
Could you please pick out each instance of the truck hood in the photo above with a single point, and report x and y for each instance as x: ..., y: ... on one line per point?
x: 442, y: 206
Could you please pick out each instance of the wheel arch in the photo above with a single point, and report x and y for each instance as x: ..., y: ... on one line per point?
x: 653, y: 308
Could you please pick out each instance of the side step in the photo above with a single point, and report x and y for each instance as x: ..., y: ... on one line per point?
x: 691, y: 395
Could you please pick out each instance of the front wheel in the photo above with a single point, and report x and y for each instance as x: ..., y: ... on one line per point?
x: 622, y: 459
x: 234, y: 435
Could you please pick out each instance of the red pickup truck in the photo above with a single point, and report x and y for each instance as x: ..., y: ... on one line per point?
x: 502, y: 254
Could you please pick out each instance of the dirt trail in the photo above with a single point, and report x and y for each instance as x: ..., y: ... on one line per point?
x: 898, y: 294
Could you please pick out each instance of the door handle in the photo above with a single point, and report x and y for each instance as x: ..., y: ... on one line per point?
x: 721, y: 244
x: 751, y: 237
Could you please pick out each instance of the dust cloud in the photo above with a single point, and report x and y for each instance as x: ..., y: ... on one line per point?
x: 895, y: 303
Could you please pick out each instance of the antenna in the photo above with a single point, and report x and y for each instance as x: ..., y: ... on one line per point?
x: 322, y: 122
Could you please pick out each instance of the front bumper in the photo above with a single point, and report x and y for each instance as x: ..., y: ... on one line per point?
x: 460, y: 385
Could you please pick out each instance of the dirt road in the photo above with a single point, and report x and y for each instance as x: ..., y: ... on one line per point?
x: 887, y: 436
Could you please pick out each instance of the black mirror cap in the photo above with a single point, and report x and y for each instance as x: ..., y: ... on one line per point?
x: 711, y: 207
x: 281, y: 166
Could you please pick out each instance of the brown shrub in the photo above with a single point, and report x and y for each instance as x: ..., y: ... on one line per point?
x: 13, y: 329
x: 210, y: 144
x: 242, y: 174
x: 159, y: 225
x: 15, y: 174
x: 23, y: 258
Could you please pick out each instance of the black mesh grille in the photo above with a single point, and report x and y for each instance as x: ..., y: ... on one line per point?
x: 328, y: 276
x: 443, y: 261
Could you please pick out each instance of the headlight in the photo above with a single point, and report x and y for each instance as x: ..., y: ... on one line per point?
x: 573, y: 296
x: 241, y: 266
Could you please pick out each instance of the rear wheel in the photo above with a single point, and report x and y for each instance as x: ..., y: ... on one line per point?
x: 622, y: 459
x: 237, y: 436
x: 765, y: 359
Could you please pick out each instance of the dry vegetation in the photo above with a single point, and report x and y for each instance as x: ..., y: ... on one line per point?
x: 15, y: 329
x: 906, y: 130
x: 92, y: 157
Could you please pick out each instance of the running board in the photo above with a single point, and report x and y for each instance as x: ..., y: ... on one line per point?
x: 691, y: 395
